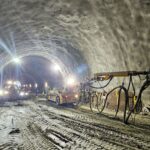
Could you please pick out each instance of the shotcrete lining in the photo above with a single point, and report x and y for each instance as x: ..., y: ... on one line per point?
x: 108, y: 35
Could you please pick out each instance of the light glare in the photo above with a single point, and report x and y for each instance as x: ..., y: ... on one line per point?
x: 71, y: 81
x: 36, y: 85
x: 17, y: 60
x: 56, y: 67
x: 76, y: 96
x: 46, y: 85
x: 1, y: 92
x: 10, y: 82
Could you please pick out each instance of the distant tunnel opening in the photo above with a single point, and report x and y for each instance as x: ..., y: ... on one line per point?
x: 40, y: 69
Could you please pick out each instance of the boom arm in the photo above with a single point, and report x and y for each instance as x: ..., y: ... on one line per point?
x: 108, y: 75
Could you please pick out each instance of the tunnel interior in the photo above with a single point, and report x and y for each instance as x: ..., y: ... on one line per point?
x: 84, y: 36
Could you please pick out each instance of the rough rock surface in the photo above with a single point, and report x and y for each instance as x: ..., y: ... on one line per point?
x: 107, y: 35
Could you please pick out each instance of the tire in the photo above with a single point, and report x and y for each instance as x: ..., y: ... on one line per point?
x: 58, y: 100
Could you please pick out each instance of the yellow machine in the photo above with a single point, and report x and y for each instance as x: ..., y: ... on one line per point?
x: 64, y: 96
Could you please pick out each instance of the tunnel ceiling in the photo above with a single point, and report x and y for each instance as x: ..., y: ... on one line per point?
x: 107, y: 35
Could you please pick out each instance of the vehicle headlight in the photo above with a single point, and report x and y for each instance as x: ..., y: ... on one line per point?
x: 1, y: 92
x: 6, y: 92
x: 76, y: 96
x: 26, y: 94
x: 22, y: 94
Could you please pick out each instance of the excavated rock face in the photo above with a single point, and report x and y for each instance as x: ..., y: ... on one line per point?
x: 102, y: 35
x: 107, y: 34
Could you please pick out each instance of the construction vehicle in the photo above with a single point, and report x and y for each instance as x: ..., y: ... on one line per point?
x: 132, y: 100
x: 67, y: 95
x: 12, y: 91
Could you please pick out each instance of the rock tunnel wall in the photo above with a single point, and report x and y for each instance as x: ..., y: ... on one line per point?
x: 107, y: 35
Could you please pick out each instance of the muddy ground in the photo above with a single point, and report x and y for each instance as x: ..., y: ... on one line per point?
x: 40, y: 125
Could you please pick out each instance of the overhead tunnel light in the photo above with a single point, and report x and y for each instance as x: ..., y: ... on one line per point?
x: 56, y: 67
x: 17, y: 60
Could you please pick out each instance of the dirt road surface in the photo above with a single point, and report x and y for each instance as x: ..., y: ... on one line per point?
x: 37, y: 125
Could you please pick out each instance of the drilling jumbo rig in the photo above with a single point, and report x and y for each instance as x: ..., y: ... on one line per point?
x: 132, y: 100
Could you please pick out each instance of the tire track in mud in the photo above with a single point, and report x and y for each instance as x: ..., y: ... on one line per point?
x: 30, y: 136
x: 98, y: 135
x: 40, y: 140
x: 105, y: 133
x: 33, y: 139
x: 46, y: 128
x: 74, y: 139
